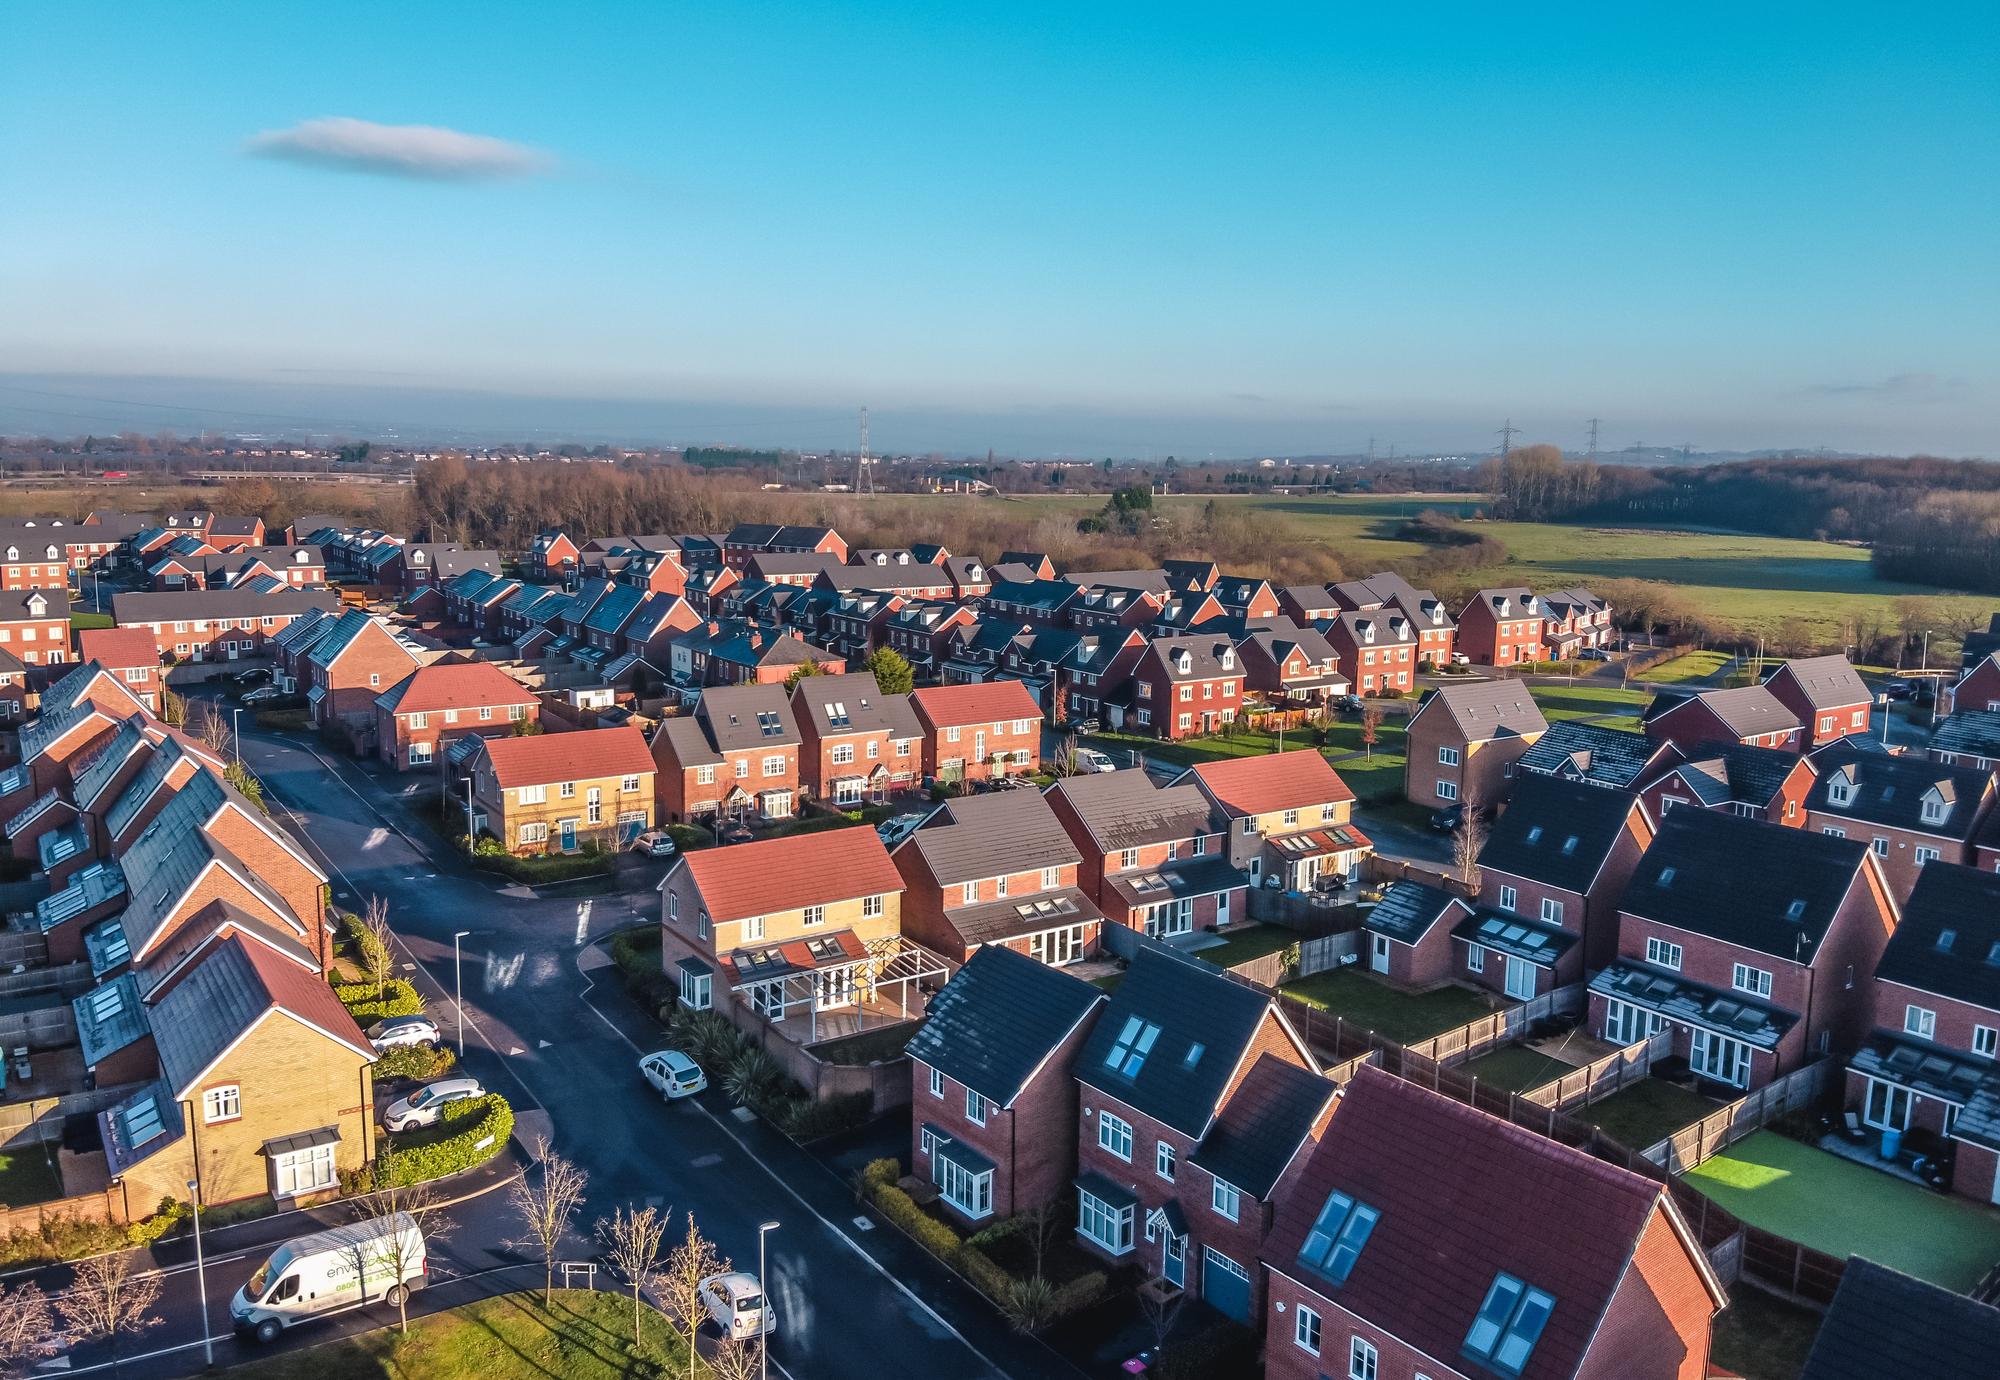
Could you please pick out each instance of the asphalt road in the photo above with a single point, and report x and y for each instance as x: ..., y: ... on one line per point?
x: 856, y: 1301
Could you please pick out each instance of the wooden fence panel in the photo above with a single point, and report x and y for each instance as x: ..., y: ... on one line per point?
x: 1694, y: 1144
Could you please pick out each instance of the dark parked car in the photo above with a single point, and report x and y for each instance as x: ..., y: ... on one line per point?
x: 1898, y: 690
x: 737, y: 833
x: 1448, y: 818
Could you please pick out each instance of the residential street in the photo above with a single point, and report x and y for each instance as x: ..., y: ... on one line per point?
x: 547, y: 1025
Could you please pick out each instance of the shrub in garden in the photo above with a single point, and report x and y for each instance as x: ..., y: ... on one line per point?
x: 398, y: 998
x: 933, y: 1235
x: 477, y: 1130
x: 418, y: 1062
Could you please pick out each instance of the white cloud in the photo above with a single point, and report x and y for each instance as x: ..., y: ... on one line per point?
x: 420, y: 151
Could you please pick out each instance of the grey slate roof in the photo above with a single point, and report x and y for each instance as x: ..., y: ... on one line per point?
x: 1828, y: 682
x: 1756, y: 774
x: 1203, y: 876
x: 1970, y: 732
x: 1596, y: 753
x: 1948, y: 939
x: 1885, y: 1323
x: 979, y: 836
x: 1693, y: 877
x: 140, y: 788
x: 180, y: 605
x: 1748, y: 711
x: 740, y: 718
x: 1126, y: 809
x: 1262, y: 1125
x: 1890, y: 791
x: 852, y: 703
x: 1017, y: 917
x: 1487, y: 709
x: 96, y: 774
x: 1556, y: 832
x: 999, y: 1017
x: 1515, y: 935
x: 1683, y: 999
x: 1408, y: 909
x: 1187, y: 1004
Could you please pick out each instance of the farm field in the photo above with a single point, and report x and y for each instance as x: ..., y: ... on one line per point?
x: 1750, y: 581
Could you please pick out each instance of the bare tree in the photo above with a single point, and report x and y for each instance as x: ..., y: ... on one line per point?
x: 27, y: 1329
x: 688, y: 1264
x: 393, y: 1251
x: 379, y: 955
x: 1040, y: 1226
x: 210, y: 729
x: 173, y: 709
x: 1466, y: 841
x: 108, y: 1300
x: 734, y: 1360
x: 632, y: 1238
x: 1371, y: 729
x: 548, y: 1208
x: 1065, y: 760
x: 1162, y: 1308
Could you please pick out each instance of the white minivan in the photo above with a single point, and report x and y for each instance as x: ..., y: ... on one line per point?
x: 330, y: 1271
x: 737, y: 1304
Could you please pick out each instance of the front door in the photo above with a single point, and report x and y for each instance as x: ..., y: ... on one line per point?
x: 569, y: 836
x: 1378, y: 952
x: 979, y: 746
x: 1222, y: 910
x: 1174, y: 1266
x: 1520, y: 979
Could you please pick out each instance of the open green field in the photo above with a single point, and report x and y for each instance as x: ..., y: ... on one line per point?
x: 1748, y: 581
x: 1686, y: 668
x: 580, y: 1335
x: 1842, y: 1208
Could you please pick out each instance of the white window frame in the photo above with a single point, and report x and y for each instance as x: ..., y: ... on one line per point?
x: 1363, y: 1361
x: 696, y: 990
x: 1095, y: 1216
x: 1920, y: 1021
x: 937, y: 1082
x: 1664, y: 953
x: 1166, y: 1160
x: 1306, y: 1329
x: 1510, y: 897
x: 1552, y: 911
x: 1447, y: 756
x: 1475, y: 958
x: 222, y: 1103
x: 971, y: 1194
x: 1113, y: 1132
x: 1226, y: 1199
x: 1985, y: 1041
x: 310, y: 1170
x: 977, y: 1108
x: 1447, y: 790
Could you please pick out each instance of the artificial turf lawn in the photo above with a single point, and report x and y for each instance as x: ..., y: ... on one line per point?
x: 1405, y: 1017
x: 579, y: 1335
x: 1842, y: 1208
x: 1516, y: 1068
x: 1646, y: 1113
x: 26, y: 1177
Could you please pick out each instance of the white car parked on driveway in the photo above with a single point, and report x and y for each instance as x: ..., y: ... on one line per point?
x: 402, y: 1032
x: 673, y: 1074
x: 424, y: 1106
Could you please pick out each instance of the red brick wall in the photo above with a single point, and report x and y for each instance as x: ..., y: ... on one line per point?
x: 1979, y: 690
x: 1139, y: 1175
x: 1899, y: 863
x: 1955, y: 1019
x: 1211, y: 698
x: 366, y: 668
x: 1284, y: 1360
x: 1528, y: 898
x: 1693, y: 724
x: 1976, y: 1173
x: 938, y: 748
x: 1656, y: 1326
x: 38, y: 641
x: 1427, y: 963
x: 283, y: 873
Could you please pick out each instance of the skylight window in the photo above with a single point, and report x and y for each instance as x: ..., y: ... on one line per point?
x: 1337, y: 1236
x: 1569, y: 845
x: 142, y: 1121
x: 1135, y: 1041
x: 1666, y: 877
x: 106, y: 1002
x: 1945, y: 939
x: 1535, y: 834
x: 1194, y: 1053
x: 1796, y: 910
x: 1509, y: 1323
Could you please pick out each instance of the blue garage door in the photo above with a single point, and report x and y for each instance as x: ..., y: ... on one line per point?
x: 1225, y: 1284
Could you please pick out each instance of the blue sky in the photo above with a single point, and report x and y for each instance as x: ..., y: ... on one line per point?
x: 1058, y: 227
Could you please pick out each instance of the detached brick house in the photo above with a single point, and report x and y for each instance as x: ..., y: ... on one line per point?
x: 1502, y: 627
x: 997, y: 870
x: 347, y: 669
x: 1182, y: 686
x: 1428, y: 1238
x: 1595, y: 754
x: 978, y: 732
x: 1152, y: 856
x: 1378, y: 648
x: 1758, y: 782
x: 435, y: 705
x: 1551, y: 876
x: 1910, y: 811
x: 1464, y: 741
x: 130, y: 654
x: 1929, y: 1063
x: 737, y: 755
x: 992, y: 1097
x: 1177, y: 1042
x: 553, y: 558
x: 1284, y: 815
x: 558, y: 792
x: 1290, y: 665
x: 858, y: 744
x: 763, y: 931
x: 1758, y: 969
x: 1830, y: 700
x: 1747, y: 714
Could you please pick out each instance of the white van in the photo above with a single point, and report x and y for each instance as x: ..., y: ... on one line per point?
x: 737, y: 1304
x: 330, y: 1271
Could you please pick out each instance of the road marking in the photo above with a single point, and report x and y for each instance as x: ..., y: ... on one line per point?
x: 863, y: 1224
x: 784, y: 1184
x: 704, y: 1161
x: 582, y: 922
x: 376, y: 838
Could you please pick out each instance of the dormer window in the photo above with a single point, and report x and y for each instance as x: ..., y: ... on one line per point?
x: 1229, y: 660
x: 1185, y: 664
x: 1840, y: 791
x: 1933, y: 808
x: 13, y: 553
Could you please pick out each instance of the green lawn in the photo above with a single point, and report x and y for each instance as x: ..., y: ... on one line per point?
x: 1344, y: 735
x: 1405, y: 1017
x: 581, y: 1335
x: 1761, y: 1337
x: 1584, y: 701
x: 1646, y: 1113
x: 1246, y: 944
x: 1516, y: 1068
x: 27, y: 1176
x: 1373, y: 780
x: 84, y: 618
x: 1842, y: 1208
x: 1689, y: 666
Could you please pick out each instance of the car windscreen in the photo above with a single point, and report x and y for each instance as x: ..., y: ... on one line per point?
x: 749, y: 1303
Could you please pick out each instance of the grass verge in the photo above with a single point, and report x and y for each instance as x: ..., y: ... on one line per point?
x: 579, y: 1335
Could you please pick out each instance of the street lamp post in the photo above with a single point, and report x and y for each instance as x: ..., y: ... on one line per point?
x: 764, y: 1283
x: 201, y: 1273
x: 236, y: 731
x: 458, y: 989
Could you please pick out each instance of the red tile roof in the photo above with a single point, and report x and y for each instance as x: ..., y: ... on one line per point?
x: 118, y: 648
x: 454, y: 685
x: 1465, y: 1196
x: 992, y: 702
x: 583, y: 755
x: 1275, y: 781
x: 746, y: 879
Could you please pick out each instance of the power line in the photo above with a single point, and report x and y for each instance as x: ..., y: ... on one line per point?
x: 1507, y: 433
x: 864, y: 478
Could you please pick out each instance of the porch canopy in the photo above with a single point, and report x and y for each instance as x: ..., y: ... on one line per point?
x: 774, y: 978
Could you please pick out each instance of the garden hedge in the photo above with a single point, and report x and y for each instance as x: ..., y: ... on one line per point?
x: 398, y: 998
x: 470, y: 1122
x: 419, y: 1062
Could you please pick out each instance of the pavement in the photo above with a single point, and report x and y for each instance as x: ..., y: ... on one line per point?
x: 546, y: 1023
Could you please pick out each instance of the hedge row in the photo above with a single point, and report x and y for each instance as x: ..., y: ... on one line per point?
x: 878, y: 1180
x: 367, y: 947
x: 398, y: 998
x: 488, y: 1119
x: 419, y: 1062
